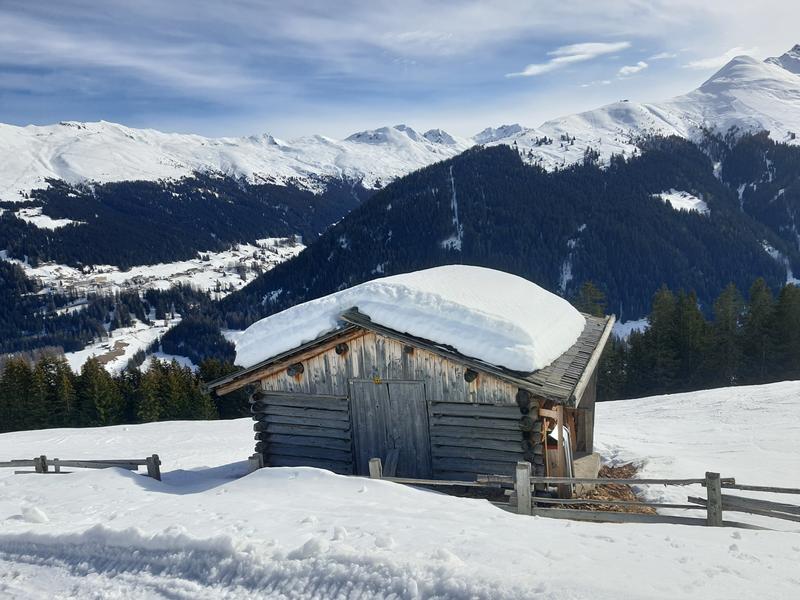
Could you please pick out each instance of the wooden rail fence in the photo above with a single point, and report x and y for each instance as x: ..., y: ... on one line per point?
x: 521, y: 490
x: 42, y: 464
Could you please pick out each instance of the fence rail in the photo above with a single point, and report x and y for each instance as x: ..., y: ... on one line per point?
x: 42, y: 464
x: 521, y: 490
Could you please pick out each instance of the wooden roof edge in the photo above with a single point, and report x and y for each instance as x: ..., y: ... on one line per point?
x: 594, y: 360
x: 234, y: 381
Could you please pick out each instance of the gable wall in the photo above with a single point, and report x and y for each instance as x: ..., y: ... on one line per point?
x: 371, y: 355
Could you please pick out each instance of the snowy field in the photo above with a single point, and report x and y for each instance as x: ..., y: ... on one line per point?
x: 208, y: 531
x: 116, y: 351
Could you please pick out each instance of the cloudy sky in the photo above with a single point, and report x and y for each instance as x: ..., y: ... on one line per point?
x: 238, y: 67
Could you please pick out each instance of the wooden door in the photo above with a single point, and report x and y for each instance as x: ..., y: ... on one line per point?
x: 391, y: 415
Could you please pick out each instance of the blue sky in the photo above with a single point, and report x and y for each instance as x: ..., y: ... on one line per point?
x: 239, y: 67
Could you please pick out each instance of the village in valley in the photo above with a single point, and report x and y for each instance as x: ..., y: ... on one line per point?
x: 534, y: 362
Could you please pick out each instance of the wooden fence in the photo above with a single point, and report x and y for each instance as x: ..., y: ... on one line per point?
x: 42, y: 464
x: 522, y: 487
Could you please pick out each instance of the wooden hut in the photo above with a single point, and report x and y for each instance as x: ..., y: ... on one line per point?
x: 364, y: 390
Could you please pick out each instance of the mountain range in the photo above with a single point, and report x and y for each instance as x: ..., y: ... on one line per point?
x: 745, y: 95
x: 694, y: 192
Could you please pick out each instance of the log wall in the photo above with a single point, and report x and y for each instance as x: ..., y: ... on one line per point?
x: 472, y: 439
x: 301, y: 430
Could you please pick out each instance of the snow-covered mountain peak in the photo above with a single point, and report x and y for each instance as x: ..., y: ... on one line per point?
x: 495, y: 134
x: 102, y: 151
x: 789, y: 60
x: 746, y: 94
x: 439, y: 136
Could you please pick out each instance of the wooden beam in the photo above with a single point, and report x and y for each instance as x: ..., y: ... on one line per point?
x: 748, y: 508
x: 759, y: 488
x: 522, y: 487
x: 272, y: 365
x: 714, y: 504
x: 599, y: 480
x: 594, y: 360
x: 621, y: 517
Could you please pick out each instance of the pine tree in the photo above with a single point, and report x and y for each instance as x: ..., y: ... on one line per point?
x: 758, y: 346
x: 660, y: 341
x: 148, y: 401
x: 98, y: 396
x: 590, y: 300
x: 725, y: 356
x: 15, y: 388
x: 691, y: 339
x: 786, y: 332
x: 611, y: 375
x: 64, y: 398
x: 232, y: 405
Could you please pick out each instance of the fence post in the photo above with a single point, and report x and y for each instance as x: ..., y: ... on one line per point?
x: 255, y: 462
x: 153, y: 467
x: 714, y: 502
x: 40, y: 464
x: 522, y: 487
x: 375, y: 468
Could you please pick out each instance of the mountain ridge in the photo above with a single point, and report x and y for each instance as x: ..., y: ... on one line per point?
x: 745, y: 95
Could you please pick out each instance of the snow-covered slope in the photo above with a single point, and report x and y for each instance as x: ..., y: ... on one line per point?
x: 77, y: 152
x: 746, y: 94
x: 207, y: 531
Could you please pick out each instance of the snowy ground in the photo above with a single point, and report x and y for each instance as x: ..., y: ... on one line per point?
x: 207, y: 531
x: 115, y: 351
x: 751, y: 433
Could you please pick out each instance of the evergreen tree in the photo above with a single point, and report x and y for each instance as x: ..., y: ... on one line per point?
x: 725, y: 357
x: 660, y: 344
x: 233, y: 405
x: 64, y: 397
x: 786, y: 332
x: 591, y: 300
x: 148, y: 407
x: 758, y: 345
x: 612, y: 376
x: 691, y: 339
x: 15, y: 391
x: 98, y: 395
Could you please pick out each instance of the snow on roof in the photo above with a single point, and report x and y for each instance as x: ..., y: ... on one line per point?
x: 501, y: 319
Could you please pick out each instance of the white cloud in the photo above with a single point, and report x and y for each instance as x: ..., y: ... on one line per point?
x: 594, y: 83
x: 662, y: 56
x: 567, y: 55
x: 714, y: 62
x: 629, y: 70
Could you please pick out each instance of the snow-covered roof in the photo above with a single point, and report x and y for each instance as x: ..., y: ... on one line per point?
x: 495, y: 317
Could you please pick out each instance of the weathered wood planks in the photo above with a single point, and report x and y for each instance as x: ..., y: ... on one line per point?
x: 297, y: 429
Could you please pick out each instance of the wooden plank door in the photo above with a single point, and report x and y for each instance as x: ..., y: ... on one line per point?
x: 387, y: 416
x: 408, y: 429
x: 369, y: 405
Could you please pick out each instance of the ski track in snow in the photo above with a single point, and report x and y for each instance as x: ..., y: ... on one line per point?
x: 188, y: 568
